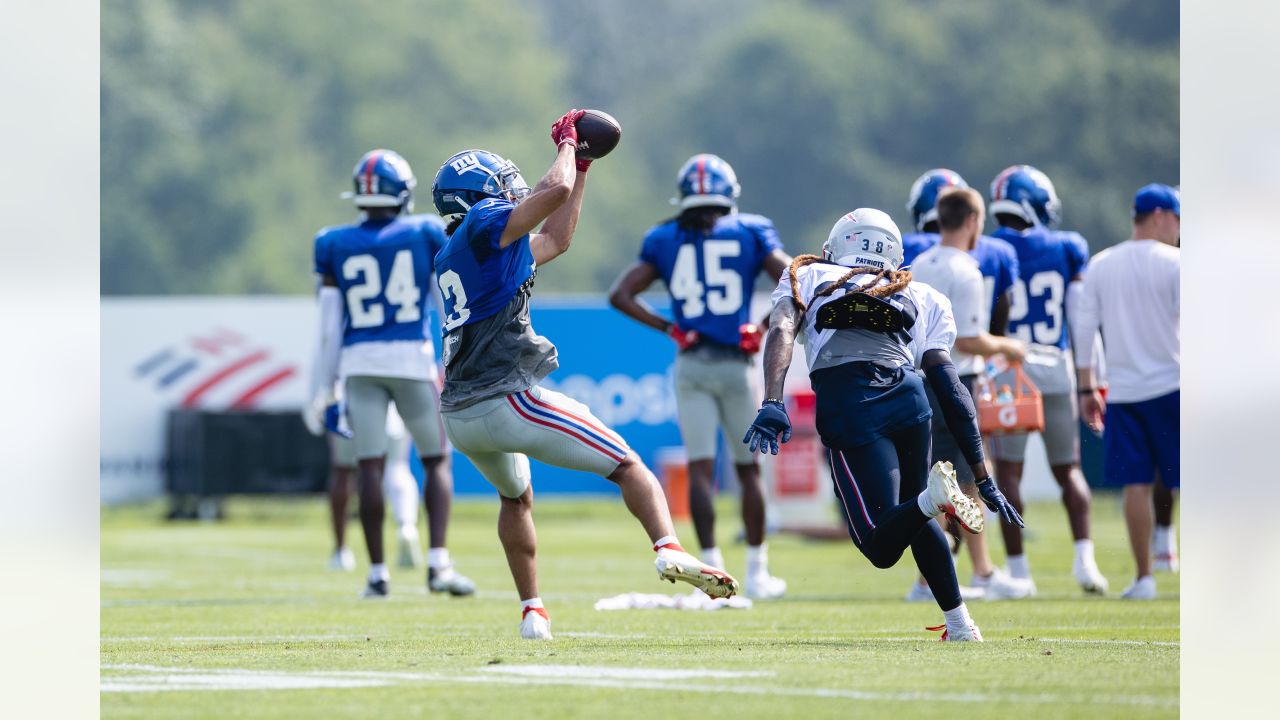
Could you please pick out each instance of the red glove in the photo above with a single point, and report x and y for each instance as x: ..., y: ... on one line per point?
x: 750, y: 338
x: 684, y: 338
x: 565, y: 130
x: 583, y: 163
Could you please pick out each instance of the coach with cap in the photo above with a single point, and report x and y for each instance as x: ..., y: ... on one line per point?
x: 1131, y: 292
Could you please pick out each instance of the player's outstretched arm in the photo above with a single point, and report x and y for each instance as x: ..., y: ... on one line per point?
x: 557, y: 231
x: 772, y: 427
x: 625, y: 295
x: 779, y: 345
x: 551, y: 192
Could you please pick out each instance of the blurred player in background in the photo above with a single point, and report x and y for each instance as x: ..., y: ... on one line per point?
x: 709, y: 256
x: 494, y: 410
x: 1051, y: 265
x: 376, y: 278
x: 866, y: 328
x: 950, y: 268
x: 998, y: 264
x: 1132, y: 294
x: 398, y: 483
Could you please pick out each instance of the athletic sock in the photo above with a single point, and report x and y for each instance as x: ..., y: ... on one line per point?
x: 926, y: 505
x: 958, y: 620
x: 1084, y: 553
x: 1019, y: 567
x: 438, y: 558
x: 378, y: 571
x: 533, y: 605
x: 757, y: 559
x: 1164, y: 542
x: 667, y: 541
x: 712, y: 557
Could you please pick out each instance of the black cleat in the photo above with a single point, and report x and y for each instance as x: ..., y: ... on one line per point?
x: 376, y: 589
x: 450, y: 581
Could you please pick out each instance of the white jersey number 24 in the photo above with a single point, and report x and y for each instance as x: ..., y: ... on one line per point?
x: 401, y: 291
x: 722, y: 294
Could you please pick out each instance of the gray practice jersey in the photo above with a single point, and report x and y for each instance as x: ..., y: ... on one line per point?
x: 494, y: 357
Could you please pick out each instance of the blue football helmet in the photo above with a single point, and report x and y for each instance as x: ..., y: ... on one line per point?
x: 706, y: 180
x: 471, y: 176
x: 382, y: 179
x: 924, y: 195
x: 1025, y: 192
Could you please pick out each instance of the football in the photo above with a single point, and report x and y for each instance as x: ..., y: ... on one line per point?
x: 598, y: 134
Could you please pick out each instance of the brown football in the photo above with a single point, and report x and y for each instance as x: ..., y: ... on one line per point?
x: 598, y: 134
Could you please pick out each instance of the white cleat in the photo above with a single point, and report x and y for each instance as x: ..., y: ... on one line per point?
x: 536, y: 624
x: 1000, y: 585
x: 449, y: 580
x: 410, y: 547
x: 1090, y: 578
x: 673, y: 564
x: 343, y: 560
x: 763, y: 586
x: 1144, y: 588
x: 947, y: 498
x: 970, y: 633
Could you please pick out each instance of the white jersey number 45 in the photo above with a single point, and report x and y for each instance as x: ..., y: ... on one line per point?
x: 722, y: 293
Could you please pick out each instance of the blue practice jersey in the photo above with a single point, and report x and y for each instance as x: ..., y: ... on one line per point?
x: 998, y: 263
x: 913, y: 244
x: 384, y: 269
x: 710, y: 277
x: 996, y: 260
x: 1047, y: 262
x: 477, y: 277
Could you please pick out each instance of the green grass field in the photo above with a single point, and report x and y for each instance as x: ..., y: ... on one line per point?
x: 242, y: 619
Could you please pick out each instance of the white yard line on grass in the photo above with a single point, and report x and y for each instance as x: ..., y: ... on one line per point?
x: 231, y: 638
x: 150, y: 678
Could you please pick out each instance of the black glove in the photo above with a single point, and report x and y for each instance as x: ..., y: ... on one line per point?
x: 998, y: 503
x: 771, y: 422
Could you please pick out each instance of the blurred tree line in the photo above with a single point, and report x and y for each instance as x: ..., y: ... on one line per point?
x: 229, y: 127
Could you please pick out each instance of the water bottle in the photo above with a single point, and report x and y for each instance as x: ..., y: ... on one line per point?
x: 1005, y: 396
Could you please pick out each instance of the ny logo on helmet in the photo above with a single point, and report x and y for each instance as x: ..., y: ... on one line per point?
x: 464, y: 163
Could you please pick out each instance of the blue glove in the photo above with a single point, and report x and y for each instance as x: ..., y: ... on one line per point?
x: 996, y: 500
x: 771, y: 422
x: 333, y: 421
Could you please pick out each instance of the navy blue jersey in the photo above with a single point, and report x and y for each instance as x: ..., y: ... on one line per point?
x: 477, y: 277
x: 710, y: 276
x: 1047, y: 262
x: 384, y: 269
x: 913, y: 244
x: 996, y: 260
x: 998, y: 263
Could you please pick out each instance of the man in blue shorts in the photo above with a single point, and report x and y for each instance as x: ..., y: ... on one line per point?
x: 1132, y: 294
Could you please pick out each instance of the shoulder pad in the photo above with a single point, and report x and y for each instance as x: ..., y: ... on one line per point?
x: 863, y: 311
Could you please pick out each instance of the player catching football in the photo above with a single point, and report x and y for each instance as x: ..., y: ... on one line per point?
x: 709, y: 256
x: 494, y: 410
x: 867, y: 328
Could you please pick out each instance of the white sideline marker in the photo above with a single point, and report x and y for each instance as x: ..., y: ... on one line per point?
x: 150, y: 678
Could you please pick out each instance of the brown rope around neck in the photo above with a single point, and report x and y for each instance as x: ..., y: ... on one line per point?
x: 898, y: 279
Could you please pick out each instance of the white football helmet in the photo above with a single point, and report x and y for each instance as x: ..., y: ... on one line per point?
x: 867, y: 237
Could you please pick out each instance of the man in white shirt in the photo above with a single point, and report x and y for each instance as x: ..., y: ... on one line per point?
x: 1132, y: 294
x: 949, y: 268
